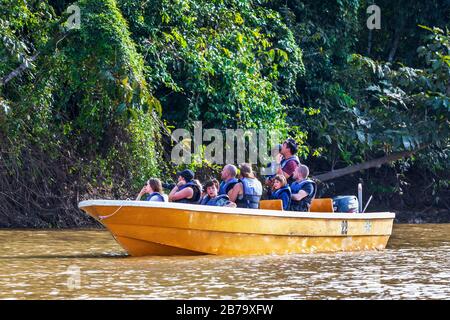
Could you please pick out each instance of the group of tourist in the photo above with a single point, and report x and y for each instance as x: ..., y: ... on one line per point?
x: 240, y: 188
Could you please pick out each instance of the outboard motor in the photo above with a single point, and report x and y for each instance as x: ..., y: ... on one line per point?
x: 346, y: 204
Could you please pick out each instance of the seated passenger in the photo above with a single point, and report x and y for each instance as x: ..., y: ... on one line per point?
x: 153, y: 190
x: 228, y: 176
x: 303, y: 190
x: 187, y: 189
x: 212, y: 197
x: 281, y: 190
x: 247, y: 193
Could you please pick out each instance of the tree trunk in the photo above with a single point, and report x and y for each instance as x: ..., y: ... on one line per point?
x: 395, y: 44
x: 369, y: 43
x: 365, y: 165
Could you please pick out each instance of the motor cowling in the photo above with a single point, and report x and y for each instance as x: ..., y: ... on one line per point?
x: 346, y: 204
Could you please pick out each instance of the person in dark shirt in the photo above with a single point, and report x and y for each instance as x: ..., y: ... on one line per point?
x: 187, y: 189
x: 303, y: 190
x: 229, y: 179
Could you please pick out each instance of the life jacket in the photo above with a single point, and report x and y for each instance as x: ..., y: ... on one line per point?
x: 158, y: 195
x: 207, y: 201
x: 226, y: 186
x: 277, y: 195
x: 195, y: 197
x: 252, y: 191
x: 284, y: 162
x: 304, y: 204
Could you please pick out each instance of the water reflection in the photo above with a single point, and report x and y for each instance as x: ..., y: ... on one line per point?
x: 37, y: 264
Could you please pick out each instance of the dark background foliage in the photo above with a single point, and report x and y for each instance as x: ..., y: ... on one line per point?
x: 86, y: 113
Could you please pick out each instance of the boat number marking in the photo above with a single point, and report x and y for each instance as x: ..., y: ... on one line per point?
x: 344, y: 227
x: 368, y: 226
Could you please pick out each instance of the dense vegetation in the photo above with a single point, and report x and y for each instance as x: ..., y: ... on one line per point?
x: 86, y: 112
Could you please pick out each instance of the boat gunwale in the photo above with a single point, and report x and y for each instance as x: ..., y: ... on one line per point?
x: 238, y: 211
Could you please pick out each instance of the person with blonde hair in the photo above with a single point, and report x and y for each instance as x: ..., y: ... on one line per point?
x: 247, y: 192
x: 153, y: 189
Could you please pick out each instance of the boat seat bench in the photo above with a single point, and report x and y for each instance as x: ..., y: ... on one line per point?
x: 317, y: 205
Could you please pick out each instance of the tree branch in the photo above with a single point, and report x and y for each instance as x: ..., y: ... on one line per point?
x: 395, y: 44
x: 18, y: 70
x: 366, y: 165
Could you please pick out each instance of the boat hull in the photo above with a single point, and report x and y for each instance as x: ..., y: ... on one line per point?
x: 145, y: 228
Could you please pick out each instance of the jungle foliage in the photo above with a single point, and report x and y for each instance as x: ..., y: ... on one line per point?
x: 86, y: 112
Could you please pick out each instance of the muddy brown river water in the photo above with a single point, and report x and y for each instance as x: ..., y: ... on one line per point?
x: 85, y: 264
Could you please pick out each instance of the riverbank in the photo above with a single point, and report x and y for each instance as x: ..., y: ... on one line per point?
x: 432, y: 216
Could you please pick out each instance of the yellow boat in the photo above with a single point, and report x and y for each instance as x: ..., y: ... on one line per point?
x: 164, y: 228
